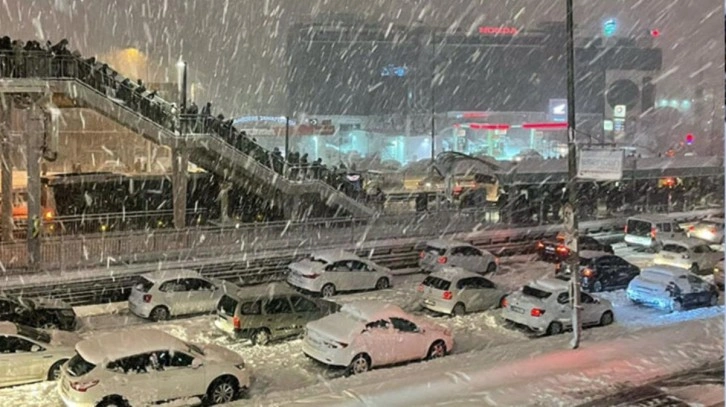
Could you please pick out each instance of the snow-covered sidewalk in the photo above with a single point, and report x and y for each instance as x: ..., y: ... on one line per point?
x: 544, y: 373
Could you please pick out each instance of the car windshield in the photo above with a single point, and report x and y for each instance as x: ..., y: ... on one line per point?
x: 675, y: 248
x: 34, y: 334
x: 638, y: 227
x: 439, y: 251
x: 530, y: 291
x: 437, y: 283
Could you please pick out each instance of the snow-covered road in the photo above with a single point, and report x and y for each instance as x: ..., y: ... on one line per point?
x: 281, y: 369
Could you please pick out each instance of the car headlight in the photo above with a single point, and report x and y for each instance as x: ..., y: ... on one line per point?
x: 240, y: 366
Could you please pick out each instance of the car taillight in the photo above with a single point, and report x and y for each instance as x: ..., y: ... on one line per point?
x: 539, y: 245
x: 420, y: 288
x: 83, y: 386
x: 505, y: 303
x: 311, y: 276
x: 443, y: 260
x: 447, y: 295
x: 422, y: 255
x: 713, y: 230
x: 147, y: 298
x: 691, y: 228
x: 652, y: 233
x: 563, y: 250
x: 48, y: 215
x: 626, y: 229
x: 537, y: 312
x: 588, y: 272
x: 237, y: 323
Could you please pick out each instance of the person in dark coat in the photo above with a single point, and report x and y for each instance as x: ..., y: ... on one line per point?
x: 315, y: 168
x: 207, y: 109
x: 60, y: 48
x: 294, y: 164
x: 304, y: 164
x: 6, y: 44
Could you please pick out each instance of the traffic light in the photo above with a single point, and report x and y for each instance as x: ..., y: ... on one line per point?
x: 690, y: 139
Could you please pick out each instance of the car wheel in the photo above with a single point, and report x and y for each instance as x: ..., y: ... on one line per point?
x: 597, y: 287
x: 606, y: 318
x: 360, y: 364
x: 114, y: 401
x: 54, y: 372
x: 159, y: 313
x: 48, y: 325
x: 459, y: 309
x: 382, y: 283
x: 491, y: 268
x: 261, y: 337
x: 713, y: 301
x: 437, y: 350
x: 555, y: 328
x: 222, y: 390
x: 677, y: 306
x: 694, y: 268
x: 328, y: 290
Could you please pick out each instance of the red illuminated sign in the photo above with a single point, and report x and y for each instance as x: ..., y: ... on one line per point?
x: 490, y: 30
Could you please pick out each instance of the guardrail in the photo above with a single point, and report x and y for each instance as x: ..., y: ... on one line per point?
x: 113, y: 283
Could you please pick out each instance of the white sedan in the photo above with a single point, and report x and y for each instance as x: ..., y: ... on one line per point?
x: 691, y: 254
x: 30, y: 355
x: 367, y: 334
x: 331, y: 271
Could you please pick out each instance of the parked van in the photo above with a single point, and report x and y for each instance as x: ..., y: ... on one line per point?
x: 651, y: 230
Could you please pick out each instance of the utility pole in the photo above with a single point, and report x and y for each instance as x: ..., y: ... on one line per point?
x: 571, y: 224
x: 433, y: 99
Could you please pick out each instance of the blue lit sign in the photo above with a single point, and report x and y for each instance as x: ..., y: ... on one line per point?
x: 394, y: 70
x: 609, y: 27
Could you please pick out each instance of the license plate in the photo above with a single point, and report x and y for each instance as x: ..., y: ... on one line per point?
x: 518, y: 310
x: 550, y: 249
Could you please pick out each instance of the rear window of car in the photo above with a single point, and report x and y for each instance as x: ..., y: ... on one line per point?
x: 439, y: 251
x: 78, y: 366
x: 227, y: 305
x: 143, y: 284
x: 437, y: 283
x: 674, y: 248
x: 639, y: 227
x: 535, y: 292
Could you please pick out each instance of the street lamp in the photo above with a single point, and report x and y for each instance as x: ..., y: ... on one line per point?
x: 181, y: 67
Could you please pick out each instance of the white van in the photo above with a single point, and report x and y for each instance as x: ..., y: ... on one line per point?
x: 651, y: 230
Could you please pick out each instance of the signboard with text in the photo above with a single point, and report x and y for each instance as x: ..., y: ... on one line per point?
x: 600, y: 165
x: 557, y: 111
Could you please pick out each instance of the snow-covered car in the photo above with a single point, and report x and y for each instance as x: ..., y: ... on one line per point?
x: 328, y: 272
x: 162, y: 294
x: 30, y: 355
x: 709, y: 230
x: 692, y: 254
x: 456, y: 291
x: 451, y: 253
x: 143, y: 367
x: 718, y: 275
x: 671, y: 288
x: 262, y: 315
x: 43, y: 313
x: 544, y: 307
x: 368, y: 334
x: 600, y: 271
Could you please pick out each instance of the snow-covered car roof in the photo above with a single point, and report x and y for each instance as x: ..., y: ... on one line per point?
x: 711, y: 220
x: 550, y: 284
x: 655, y: 218
x: 270, y: 290
x: 687, y: 242
x: 454, y: 274
x: 331, y: 256
x: 117, y: 345
x: 446, y: 244
x: 662, y: 271
x: 165, y: 275
x: 8, y: 328
x: 591, y: 254
x: 371, y: 310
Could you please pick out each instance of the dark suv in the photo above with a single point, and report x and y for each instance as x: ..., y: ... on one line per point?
x: 600, y: 271
x: 265, y: 315
x: 557, y: 251
x: 38, y: 312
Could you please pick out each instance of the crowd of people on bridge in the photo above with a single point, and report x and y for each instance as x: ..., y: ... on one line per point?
x: 31, y: 59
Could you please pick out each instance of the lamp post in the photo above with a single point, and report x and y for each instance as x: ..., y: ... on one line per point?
x: 433, y: 99
x: 182, y: 71
x: 571, y: 224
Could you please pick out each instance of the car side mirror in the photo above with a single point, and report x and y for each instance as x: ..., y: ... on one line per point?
x: 197, y: 363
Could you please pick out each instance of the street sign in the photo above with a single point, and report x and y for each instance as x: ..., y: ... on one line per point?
x: 557, y: 110
x: 568, y: 213
x: 619, y: 111
x: 607, y: 125
x: 619, y: 125
x: 600, y: 165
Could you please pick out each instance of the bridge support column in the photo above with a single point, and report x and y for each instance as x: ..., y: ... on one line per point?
x: 35, y: 127
x: 179, y: 181
x: 292, y: 208
x: 224, y: 201
x: 6, y: 170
